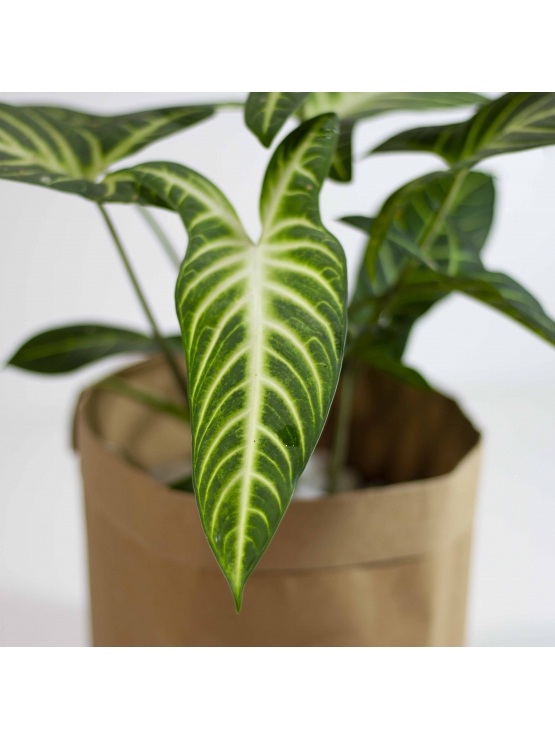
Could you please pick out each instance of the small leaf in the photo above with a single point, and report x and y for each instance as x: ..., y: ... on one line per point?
x: 351, y: 107
x: 67, y: 149
x: 71, y: 347
x: 266, y: 112
x: 264, y: 330
x: 512, y: 123
x: 362, y: 223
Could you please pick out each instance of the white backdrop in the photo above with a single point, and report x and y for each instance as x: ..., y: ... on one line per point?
x: 57, y: 266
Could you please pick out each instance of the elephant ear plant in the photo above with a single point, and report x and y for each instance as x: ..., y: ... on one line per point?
x: 266, y: 332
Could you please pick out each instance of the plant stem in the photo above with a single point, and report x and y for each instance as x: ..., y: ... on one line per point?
x: 342, y: 426
x: 160, y: 235
x: 161, y: 341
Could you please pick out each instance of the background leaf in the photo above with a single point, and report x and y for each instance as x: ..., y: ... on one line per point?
x: 144, y: 396
x: 71, y: 347
x: 384, y: 308
x: 448, y: 214
x: 67, y: 149
x: 512, y: 123
x: 263, y: 329
x: 351, y: 107
x: 266, y: 112
x: 439, y: 224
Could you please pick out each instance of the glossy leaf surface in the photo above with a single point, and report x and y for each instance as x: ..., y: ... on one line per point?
x: 379, y: 326
x: 67, y: 149
x: 351, y: 107
x: 512, y: 123
x: 439, y: 225
x: 266, y: 112
x: 448, y: 214
x: 385, y: 308
x: 263, y: 329
x: 71, y: 347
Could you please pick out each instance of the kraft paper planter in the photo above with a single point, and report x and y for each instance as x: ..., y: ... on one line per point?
x: 386, y: 565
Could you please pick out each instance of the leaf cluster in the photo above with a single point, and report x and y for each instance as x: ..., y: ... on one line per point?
x: 265, y: 327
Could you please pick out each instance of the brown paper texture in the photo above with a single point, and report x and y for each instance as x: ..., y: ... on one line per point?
x: 386, y: 565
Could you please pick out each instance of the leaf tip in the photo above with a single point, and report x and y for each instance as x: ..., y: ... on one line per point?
x: 237, y: 591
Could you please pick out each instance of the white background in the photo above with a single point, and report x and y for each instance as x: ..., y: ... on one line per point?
x: 57, y: 266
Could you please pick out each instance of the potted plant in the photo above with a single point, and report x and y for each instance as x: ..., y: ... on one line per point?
x: 236, y: 407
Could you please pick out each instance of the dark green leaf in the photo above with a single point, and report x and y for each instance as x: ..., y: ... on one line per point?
x: 351, y: 107
x: 67, y: 150
x: 448, y: 214
x: 71, y: 347
x: 440, y: 225
x: 362, y: 223
x: 384, y: 309
x: 512, y: 123
x: 266, y: 112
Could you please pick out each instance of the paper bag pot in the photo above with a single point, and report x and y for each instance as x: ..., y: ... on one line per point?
x: 384, y: 565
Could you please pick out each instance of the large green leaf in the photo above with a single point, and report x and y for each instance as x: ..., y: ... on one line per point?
x: 71, y: 347
x: 266, y: 112
x: 439, y: 224
x: 512, y: 123
x: 351, y: 107
x: 67, y: 149
x: 264, y: 329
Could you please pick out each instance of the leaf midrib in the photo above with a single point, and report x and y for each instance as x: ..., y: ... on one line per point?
x: 269, y: 110
x: 280, y: 190
x: 255, y: 371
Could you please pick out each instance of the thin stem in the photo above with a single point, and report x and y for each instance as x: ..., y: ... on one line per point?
x: 161, y: 235
x: 342, y: 426
x: 161, y: 341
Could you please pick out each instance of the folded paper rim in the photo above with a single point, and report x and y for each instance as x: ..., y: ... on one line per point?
x: 372, y: 525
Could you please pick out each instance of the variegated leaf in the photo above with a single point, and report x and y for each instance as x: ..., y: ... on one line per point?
x: 67, y: 150
x: 266, y: 112
x: 384, y: 308
x: 512, y: 123
x: 448, y: 214
x: 445, y: 251
x: 351, y: 107
x: 263, y: 329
